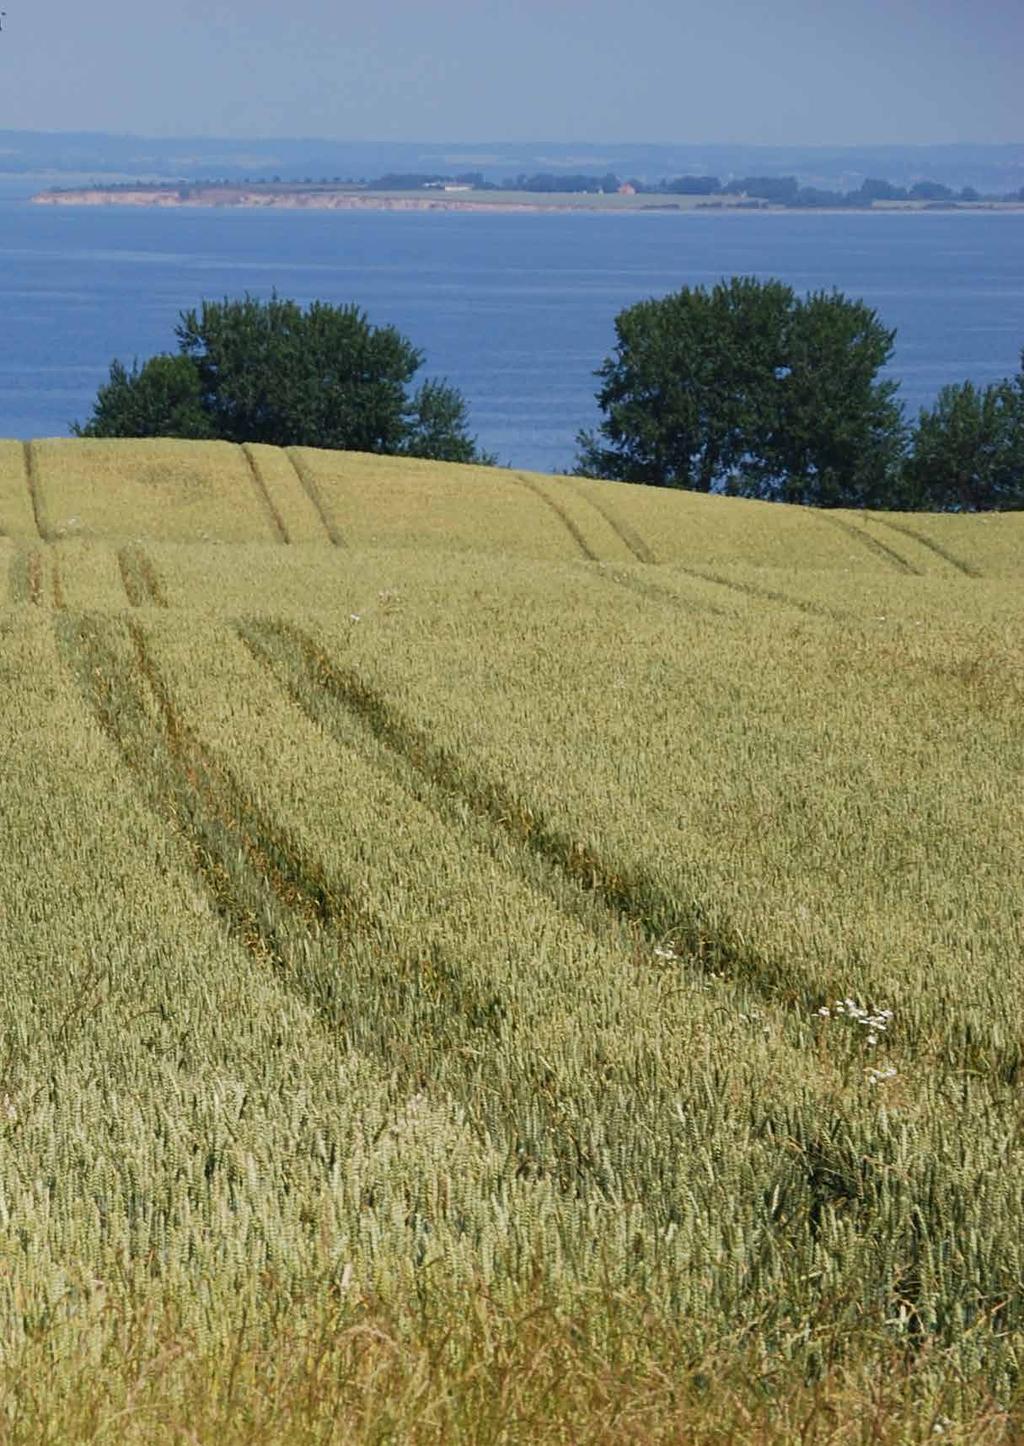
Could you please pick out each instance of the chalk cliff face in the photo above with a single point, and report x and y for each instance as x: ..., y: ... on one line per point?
x: 108, y: 198
x: 281, y: 200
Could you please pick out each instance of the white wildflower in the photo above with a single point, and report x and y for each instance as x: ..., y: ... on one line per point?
x: 880, y: 1076
x: 873, y: 1023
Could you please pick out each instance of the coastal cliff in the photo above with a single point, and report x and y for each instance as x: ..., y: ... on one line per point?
x: 299, y: 200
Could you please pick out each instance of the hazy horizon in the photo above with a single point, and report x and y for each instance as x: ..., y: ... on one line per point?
x: 909, y: 73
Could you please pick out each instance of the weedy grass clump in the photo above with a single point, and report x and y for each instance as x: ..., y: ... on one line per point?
x: 511, y: 991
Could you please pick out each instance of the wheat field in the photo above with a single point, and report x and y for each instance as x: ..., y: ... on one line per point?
x: 491, y: 957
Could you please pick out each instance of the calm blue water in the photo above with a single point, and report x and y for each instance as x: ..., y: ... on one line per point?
x: 517, y: 311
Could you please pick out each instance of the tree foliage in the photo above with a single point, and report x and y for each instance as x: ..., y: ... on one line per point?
x: 747, y: 389
x: 271, y: 371
x: 162, y: 398
x: 967, y: 452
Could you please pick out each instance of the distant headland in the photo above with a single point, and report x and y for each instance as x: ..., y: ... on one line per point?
x: 530, y: 194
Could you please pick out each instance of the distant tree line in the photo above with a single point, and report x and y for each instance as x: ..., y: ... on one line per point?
x: 744, y: 389
x: 777, y: 190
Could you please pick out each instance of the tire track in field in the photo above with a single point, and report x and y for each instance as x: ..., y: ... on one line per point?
x: 309, y: 485
x: 873, y: 544
x: 30, y: 580
x: 265, y: 499
x: 652, y: 591
x: 279, y: 904
x: 140, y: 579
x: 561, y: 513
x: 935, y: 547
x: 752, y: 590
x: 629, y: 898
x: 58, y: 583
x: 16, y: 582
x: 610, y: 899
x: 633, y: 541
x: 32, y: 483
x: 25, y: 578
x: 641, y: 586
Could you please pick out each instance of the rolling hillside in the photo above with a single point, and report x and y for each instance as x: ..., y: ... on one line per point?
x: 502, y: 957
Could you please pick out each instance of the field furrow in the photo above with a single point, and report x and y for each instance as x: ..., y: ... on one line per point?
x: 986, y: 544
x: 663, y: 525
x: 755, y: 589
x: 17, y: 519
x: 877, y: 545
x: 831, y: 1127
x: 57, y: 579
x: 139, y: 577
x: 596, y: 540
x: 296, y: 520
x: 33, y: 482
x: 249, y: 875
x: 626, y: 892
x: 25, y: 576
x: 413, y: 833
x: 307, y: 480
x: 663, y: 587
x: 277, y: 901
x: 905, y: 530
x: 637, y: 548
x: 266, y: 501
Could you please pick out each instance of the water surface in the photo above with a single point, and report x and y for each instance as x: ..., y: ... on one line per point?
x: 516, y: 310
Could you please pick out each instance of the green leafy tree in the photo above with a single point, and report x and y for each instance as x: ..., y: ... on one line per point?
x: 275, y: 372
x: 967, y: 452
x: 159, y: 399
x: 838, y: 434
x: 746, y: 389
x: 437, y: 427
x: 685, y: 390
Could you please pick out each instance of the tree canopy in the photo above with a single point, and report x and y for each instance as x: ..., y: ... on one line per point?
x: 272, y: 371
x: 161, y: 398
x: 746, y: 389
x: 967, y: 452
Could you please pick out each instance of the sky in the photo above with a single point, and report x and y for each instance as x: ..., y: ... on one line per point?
x: 779, y: 72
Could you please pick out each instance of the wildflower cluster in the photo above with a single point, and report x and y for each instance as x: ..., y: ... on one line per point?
x: 874, y: 1023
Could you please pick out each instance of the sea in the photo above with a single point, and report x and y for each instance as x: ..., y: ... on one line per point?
x: 516, y: 310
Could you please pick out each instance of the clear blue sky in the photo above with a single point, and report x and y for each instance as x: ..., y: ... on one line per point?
x: 774, y: 71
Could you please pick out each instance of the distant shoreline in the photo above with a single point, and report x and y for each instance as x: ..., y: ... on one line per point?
x: 324, y: 198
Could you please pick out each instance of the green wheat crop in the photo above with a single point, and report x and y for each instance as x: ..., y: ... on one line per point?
x: 501, y: 958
